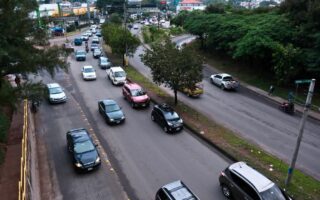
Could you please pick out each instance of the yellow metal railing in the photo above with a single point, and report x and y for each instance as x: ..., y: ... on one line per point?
x: 24, y: 148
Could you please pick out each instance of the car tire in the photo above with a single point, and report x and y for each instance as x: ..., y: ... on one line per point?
x: 222, y: 87
x: 211, y: 80
x: 165, y: 129
x: 226, y: 191
x: 152, y: 118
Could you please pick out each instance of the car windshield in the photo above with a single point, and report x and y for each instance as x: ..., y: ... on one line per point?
x: 97, y: 51
x: 120, y: 74
x: 105, y: 61
x: 112, y: 108
x: 273, y: 193
x: 137, y: 92
x: 228, y: 78
x: 81, y: 53
x: 171, y: 116
x: 82, y: 147
x: 88, y: 70
x: 55, y: 90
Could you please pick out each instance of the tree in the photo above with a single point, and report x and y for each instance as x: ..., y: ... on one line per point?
x: 121, y: 41
x: 24, y: 47
x: 172, y: 67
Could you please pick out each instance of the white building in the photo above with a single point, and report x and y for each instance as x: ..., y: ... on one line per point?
x: 190, y: 5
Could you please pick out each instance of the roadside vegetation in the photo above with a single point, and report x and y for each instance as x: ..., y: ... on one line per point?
x: 281, y: 43
x: 302, y: 187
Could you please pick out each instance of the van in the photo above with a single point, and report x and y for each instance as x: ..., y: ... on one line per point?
x: 176, y: 190
x: 117, y: 75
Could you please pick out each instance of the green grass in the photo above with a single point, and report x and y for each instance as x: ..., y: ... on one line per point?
x: 301, y: 187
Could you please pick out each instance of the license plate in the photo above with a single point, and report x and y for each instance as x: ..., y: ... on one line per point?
x: 118, y: 122
x: 144, y: 104
x: 178, y: 128
x: 90, y: 168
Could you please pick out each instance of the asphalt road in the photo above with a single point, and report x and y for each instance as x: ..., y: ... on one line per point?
x: 251, y: 116
x: 143, y: 156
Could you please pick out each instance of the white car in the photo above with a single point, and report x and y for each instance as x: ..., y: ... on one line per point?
x: 117, y: 75
x: 224, y: 81
x: 56, y: 93
x: 96, y: 53
x: 89, y: 33
x: 95, y: 39
x: 88, y: 73
x: 135, y: 26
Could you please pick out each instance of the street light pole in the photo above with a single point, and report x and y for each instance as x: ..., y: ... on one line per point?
x: 301, y: 127
x: 124, y: 62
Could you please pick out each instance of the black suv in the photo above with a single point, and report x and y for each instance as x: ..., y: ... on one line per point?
x: 240, y: 181
x: 167, y: 118
x: 85, y: 156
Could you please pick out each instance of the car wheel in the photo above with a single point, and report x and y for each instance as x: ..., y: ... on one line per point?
x: 211, y: 80
x: 222, y: 87
x: 152, y: 118
x: 226, y: 191
x: 165, y: 129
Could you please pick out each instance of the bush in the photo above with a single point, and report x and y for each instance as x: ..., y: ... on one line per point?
x: 176, y: 30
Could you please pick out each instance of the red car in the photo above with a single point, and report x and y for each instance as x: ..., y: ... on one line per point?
x: 135, y: 95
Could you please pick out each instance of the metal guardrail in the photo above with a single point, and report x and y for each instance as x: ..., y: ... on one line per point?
x: 24, y: 156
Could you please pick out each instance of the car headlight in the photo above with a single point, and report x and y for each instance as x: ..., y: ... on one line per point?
x: 180, y: 121
x: 111, y: 120
x: 170, y: 124
x: 98, y: 160
x: 122, y: 117
x: 78, y: 164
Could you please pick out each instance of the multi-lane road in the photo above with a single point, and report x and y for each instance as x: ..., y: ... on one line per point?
x: 252, y: 116
x: 142, y: 155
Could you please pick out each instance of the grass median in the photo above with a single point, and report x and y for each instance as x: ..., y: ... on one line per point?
x: 301, y: 187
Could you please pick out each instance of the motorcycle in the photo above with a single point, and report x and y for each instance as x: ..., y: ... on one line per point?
x: 87, y: 49
x: 287, y: 107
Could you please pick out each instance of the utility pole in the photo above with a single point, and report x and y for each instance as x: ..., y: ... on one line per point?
x: 88, y: 10
x: 124, y: 62
x: 301, y: 127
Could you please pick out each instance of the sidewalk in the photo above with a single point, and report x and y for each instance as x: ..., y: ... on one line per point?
x: 10, y: 169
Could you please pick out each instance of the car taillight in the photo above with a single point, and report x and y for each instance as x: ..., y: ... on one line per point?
x: 222, y: 174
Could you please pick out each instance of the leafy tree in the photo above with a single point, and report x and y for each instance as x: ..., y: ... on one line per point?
x: 172, y: 67
x: 120, y: 39
x: 286, y: 66
x: 115, y: 18
x: 215, y: 8
x: 24, y: 48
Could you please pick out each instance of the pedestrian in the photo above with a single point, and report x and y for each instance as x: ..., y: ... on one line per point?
x: 290, y: 97
x: 271, y: 90
x: 17, y: 80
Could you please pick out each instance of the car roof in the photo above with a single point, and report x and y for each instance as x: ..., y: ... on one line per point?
x: 224, y: 74
x: 132, y: 85
x: 116, y: 69
x: 103, y: 58
x: 108, y: 101
x: 79, y: 134
x: 259, y: 181
x: 165, y: 107
x: 179, y: 191
x: 87, y: 66
x: 53, y: 85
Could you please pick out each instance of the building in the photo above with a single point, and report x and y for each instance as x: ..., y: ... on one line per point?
x: 190, y: 5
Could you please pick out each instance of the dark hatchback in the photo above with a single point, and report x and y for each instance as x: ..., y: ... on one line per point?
x: 111, y: 111
x: 80, y: 55
x: 77, y: 41
x: 83, y: 151
x: 167, y: 118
